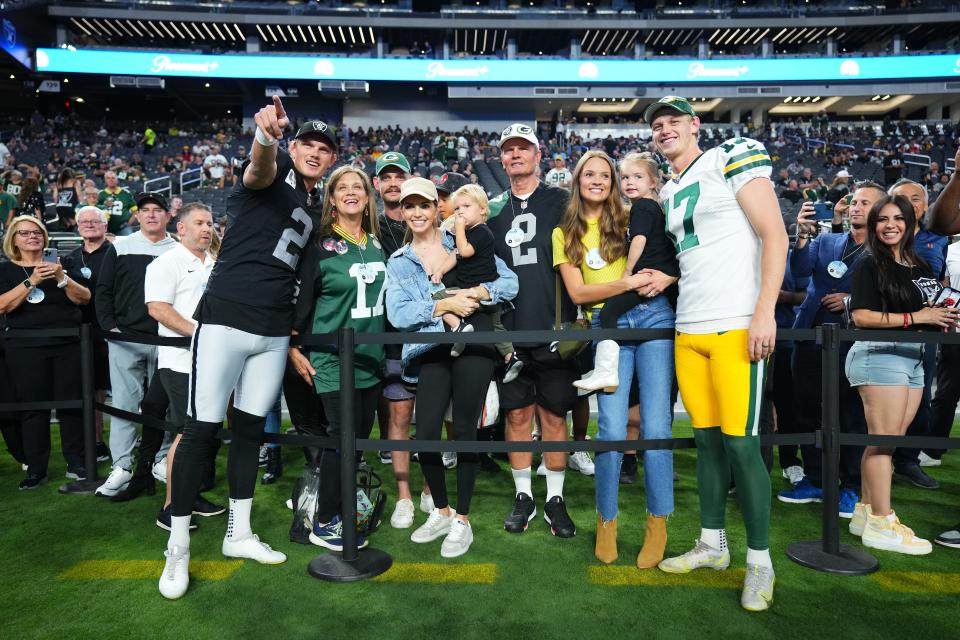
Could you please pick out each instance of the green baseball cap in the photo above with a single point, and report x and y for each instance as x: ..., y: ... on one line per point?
x: 392, y: 159
x: 676, y: 103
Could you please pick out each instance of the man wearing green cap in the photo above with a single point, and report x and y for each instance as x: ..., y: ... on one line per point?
x: 724, y: 221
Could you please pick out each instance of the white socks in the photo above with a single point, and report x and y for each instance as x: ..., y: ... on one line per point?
x: 554, y: 483
x: 522, y: 482
x: 238, y: 527
x: 716, y: 538
x: 761, y: 558
x: 179, y: 532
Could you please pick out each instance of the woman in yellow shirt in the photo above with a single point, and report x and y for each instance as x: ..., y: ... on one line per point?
x: 590, y: 249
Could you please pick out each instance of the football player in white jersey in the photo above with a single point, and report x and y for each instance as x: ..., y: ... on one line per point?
x: 724, y: 220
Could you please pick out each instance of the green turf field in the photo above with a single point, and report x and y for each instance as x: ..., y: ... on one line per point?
x: 82, y: 567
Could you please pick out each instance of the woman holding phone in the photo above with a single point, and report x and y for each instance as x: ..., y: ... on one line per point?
x: 38, y: 294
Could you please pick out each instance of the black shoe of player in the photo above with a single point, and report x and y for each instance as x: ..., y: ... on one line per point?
x: 513, y: 367
x: 163, y: 519
x: 628, y: 469
x: 555, y: 513
x: 204, y: 508
x: 913, y: 474
x: 31, y: 482
x: 523, y: 512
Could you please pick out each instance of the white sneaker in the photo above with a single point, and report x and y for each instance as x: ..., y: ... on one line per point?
x: 437, y: 525
x: 757, y: 588
x: 793, y: 474
x: 116, y: 482
x: 927, y: 461
x: 251, y: 547
x: 702, y: 555
x: 159, y: 471
x: 889, y: 534
x: 426, y: 503
x: 289, y: 503
x: 580, y: 461
x: 449, y: 459
x: 542, y: 469
x: 402, y: 517
x: 176, y: 572
x: 458, y: 541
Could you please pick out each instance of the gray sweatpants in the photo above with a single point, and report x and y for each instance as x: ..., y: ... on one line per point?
x: 131, y: 368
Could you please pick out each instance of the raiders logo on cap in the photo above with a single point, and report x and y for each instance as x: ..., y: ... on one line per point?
x: 319, y: 126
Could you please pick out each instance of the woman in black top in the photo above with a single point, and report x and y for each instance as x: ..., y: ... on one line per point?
x: 893, y: 288
x: 67, y: 197
x: 30, y: 202
x: 40, y: 295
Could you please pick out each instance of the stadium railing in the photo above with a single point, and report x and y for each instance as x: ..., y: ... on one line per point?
x: 825, y: 554
x: 191, y: 178
x: 162, y: 184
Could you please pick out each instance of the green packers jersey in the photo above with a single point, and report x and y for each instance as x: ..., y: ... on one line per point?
x: 120, y: 209
x: 342, y: 285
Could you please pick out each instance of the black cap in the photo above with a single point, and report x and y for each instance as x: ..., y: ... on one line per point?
x: 320, y: 129
x: 152, y: 196
x: 451, y: 181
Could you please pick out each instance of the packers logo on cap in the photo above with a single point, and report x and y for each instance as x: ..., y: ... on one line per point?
x: 519, y: 130
x: 391, y: 156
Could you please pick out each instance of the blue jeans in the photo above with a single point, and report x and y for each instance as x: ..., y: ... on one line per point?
x: 653, y: 363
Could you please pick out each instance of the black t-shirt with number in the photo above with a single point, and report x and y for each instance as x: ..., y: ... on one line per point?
x: 531, y: 256
x: 647, y: 220
x: 482, y: 265
x: 918, y: 280
x: 252, y: 285
x: 55, y: 311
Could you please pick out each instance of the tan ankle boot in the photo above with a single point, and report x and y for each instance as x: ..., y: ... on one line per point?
x: 606, y: 548
x: 654, y: 542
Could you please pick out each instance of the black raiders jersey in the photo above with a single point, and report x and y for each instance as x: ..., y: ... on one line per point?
x: 523, y: 232
x: 257, y: 265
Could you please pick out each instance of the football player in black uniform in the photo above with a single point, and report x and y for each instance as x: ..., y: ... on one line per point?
x: 522, y: 220
x: 243, y: 331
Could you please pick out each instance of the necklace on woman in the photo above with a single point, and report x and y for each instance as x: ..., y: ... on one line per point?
x: 36, y: 294
x: 359, y: 240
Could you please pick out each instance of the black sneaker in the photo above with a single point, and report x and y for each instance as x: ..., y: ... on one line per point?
x: 628, y: 469
x: 32, y: 482
x: 512, y: 368
x: 103, y: 452
x: 555, y: 513
x: 457, y: 348
x: 385, y: 457
x: 204, y: 508
x: 913, y: 474
x: 76, y: 473
x: 950, y: 538
x: 523, y: 512
x: 163, y: 519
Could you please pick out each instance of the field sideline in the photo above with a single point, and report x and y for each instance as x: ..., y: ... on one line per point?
x: 82, y: 567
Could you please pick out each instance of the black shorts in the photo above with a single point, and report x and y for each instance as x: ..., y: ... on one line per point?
x: 546, y: 379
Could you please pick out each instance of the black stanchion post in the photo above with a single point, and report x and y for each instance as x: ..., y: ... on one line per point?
x: 828, y: 554
x: 351, y: 564
x: 87, y: 392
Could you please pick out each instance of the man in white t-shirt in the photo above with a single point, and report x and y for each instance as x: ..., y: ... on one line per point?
x: 559, y: 175
x: 215, y: 166
x: 173, y: 286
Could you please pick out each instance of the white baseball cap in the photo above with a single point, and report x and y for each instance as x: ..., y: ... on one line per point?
x: 843, y: 173
x: 519, y: 130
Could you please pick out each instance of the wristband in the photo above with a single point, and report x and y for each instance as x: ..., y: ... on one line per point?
x: 912, y: 321
x: 63, y: 283
x: 262, y: 139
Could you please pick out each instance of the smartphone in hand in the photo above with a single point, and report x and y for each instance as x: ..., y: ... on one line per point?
x: 949, y: 298
x: 823, y: 211
x: 50, y: 255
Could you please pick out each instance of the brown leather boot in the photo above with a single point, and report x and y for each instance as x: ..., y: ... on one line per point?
x: 606, y: 548
x: 654, y: 542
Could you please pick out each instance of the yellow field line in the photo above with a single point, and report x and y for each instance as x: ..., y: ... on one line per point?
x: 917, y: 581
x: 429, y: 573
x: 143, y: 569
x: 633, y: 577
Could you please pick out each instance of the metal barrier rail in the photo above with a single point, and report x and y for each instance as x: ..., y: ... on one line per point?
x: 195, y: 178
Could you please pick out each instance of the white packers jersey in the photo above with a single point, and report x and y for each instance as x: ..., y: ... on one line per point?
x: 718, y: 250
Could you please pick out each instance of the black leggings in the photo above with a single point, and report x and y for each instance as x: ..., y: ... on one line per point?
x: 465, y: 379
x: 42, y: 374
x: 365, y: 408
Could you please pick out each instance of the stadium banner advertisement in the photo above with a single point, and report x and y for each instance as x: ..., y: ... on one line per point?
x: 497, y: 71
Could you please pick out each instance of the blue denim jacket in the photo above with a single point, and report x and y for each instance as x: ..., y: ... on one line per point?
x: 410, y: 300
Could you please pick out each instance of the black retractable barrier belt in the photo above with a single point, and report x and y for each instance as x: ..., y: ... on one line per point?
x: 887, y: 335
x: 158, y: 341
x: 41, y: 406
x: 912, y: 442
x: 40, y: 333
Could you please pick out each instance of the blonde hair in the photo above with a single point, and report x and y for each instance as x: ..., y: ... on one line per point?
x: 474, y: 192
x: 613, y: 217
x: 9, y: 248
x: 369, y: 223
x: 647, y: 161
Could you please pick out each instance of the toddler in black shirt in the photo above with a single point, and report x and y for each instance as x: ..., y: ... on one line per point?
x: 475, y: 263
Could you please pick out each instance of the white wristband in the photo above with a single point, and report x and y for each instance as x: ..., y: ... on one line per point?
x: 64, y: 282
x: 262, y: 138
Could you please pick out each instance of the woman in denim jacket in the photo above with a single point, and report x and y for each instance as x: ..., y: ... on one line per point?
x: 412, y: 307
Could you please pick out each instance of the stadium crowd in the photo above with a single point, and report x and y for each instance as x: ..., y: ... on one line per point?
x: 412, y: 231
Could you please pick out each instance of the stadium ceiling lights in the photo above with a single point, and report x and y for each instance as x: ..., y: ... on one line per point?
x: 477, y: 41
x: 794, y: 105
x: 109, y: 29
x: 608, y: 106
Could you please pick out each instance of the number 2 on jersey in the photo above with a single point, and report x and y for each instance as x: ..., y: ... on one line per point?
x: 291, y: 236
x: 690, y: 194
x: 527, y: 222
